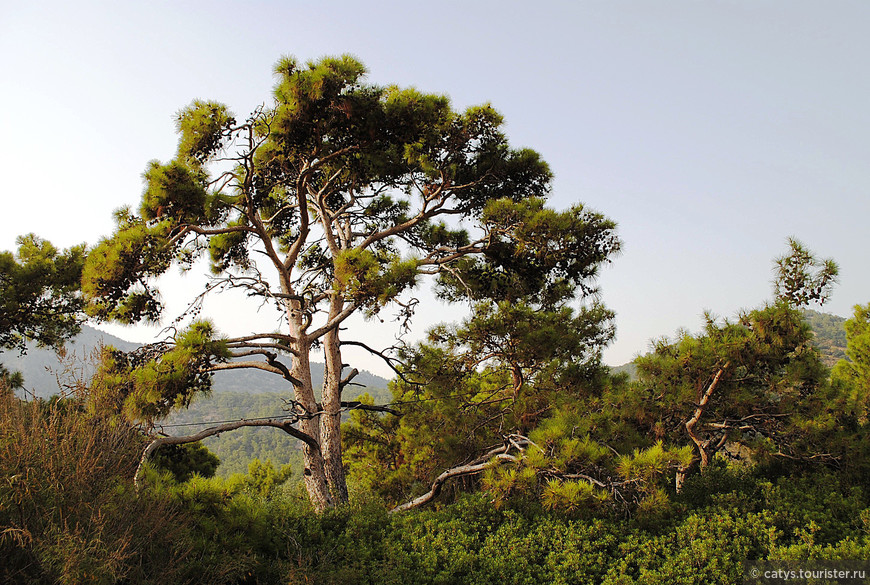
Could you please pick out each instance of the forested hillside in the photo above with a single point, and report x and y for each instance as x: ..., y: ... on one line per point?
x: 43, y: 368
x: 236, y: 450
x: 829, y: 335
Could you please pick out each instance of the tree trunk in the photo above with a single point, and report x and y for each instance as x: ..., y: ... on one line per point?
x: 316, y: 482
x: 680, y: 479
x: 330, y: 420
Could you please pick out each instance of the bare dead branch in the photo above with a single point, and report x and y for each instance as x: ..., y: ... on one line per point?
x: 447, y: 475
x: 357, y: 405
x: 334, y: 322
x: 387, y: 359
x: 493, y: 457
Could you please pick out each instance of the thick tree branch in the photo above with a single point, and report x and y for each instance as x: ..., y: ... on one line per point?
x: 255, y: 337
x: 357, y: 405
x: 304, y: 222
x: 283, y: 424
x: 347, y: 379
x: 218, y: 231
x: 334, y: 322
x: 267, y: 367
x: 261, y: 346
x: 434, y: 259
x: 399, y: 228
x: 493, y: 457
x: 817, y: 456
x: 302, y: 200
x: 327, y: 218
x: 265, y: 237
x: 699, y: 411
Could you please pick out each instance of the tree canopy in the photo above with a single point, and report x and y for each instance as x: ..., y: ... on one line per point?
x: 517, y: 394
x: 853, y: 372
x: 39, y: 293
x: 337, y: 198
x: 39, y: 298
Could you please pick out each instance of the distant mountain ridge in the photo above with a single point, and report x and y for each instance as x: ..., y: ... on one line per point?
x: 43, y: 370
x: 627, y: 368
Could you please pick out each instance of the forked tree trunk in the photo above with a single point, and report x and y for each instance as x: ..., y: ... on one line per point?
x: 316, y: 482
x: 703, y: 446
x: 314, y: 473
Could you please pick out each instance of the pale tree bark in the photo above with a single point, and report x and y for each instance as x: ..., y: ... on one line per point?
x: 702, y: 445
x: 493, y: 457
x: 330, y: 419
x: 314, y: 473
x: 439, y: 481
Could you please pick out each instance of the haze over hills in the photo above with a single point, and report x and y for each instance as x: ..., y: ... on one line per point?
x: 235, y: 394
x: 43, y: 370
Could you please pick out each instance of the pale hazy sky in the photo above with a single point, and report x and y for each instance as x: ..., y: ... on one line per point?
x: 709, y: 130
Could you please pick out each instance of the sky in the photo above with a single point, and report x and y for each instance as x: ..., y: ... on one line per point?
x: 709, y: 131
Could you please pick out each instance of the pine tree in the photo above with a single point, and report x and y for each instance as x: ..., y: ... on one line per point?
x: 338, y: 198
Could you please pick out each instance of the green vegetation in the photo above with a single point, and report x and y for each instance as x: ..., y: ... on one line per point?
x: 504, y: 451
x: 68, y: 516
x: 40, y: 297
x: 337, y: 198
x: 829, y: 335
x: 67, y: 511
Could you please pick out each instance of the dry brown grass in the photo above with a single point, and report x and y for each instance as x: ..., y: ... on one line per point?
x: 68, y: 513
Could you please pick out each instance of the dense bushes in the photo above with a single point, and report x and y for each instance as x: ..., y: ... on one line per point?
x: 706, y: 539
x: 69, y: 516
x: 724, y: 518
x: 472, y: 542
